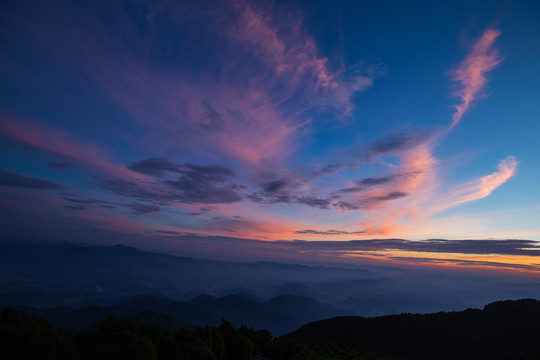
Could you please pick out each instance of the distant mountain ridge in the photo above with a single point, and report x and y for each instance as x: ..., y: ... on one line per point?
x: 50, y: 275
x: 270, y: 294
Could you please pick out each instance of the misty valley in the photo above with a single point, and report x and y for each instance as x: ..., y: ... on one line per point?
x: 78, y: 288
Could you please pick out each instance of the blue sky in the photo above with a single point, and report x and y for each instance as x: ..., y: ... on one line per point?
x: 271, y: 120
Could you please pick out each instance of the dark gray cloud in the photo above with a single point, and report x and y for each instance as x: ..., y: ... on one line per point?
x: 10, y: 179
x: 141, y: 209
x: 59, y: 165
x: 271, y: 199
x: 166, y: 232
x: 398, y: 142
x: 207, y: 184
x: 75, y: 207
x: 211, y: 184
x: 367, y: 202
x: 317, y: 171
x: 389, y: 145
x: 289, y: 198
x: 275, y: 186
x: 346, y: 206
x: 154, y: 166
x: 281, y: 191
x: 234, y: 219
x: 217, y: 173
x: 390, y: 196
x: 314, y: 201
x: 363, y: 184
x: 201, y: 211
x: 83, y: 203
x: 284, y: 197
x: 372, y: 181
x: 287, y: 190
x: 327, y: 232
x: 502, y: 247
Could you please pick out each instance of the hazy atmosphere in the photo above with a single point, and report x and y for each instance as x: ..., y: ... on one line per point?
x: 270, y: 180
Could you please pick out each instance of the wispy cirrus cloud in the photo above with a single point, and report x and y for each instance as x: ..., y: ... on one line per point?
x: 484, y: 186
x: 252, y: 107
x: 154, y: 166
x: 417, y: 177
x: 471, y: 72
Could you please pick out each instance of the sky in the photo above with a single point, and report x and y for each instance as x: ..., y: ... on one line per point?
x: 322, y: 129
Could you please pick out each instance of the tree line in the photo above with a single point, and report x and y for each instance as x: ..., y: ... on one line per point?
x: 24, y: 337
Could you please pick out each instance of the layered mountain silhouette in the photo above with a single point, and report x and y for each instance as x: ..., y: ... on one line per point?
x: 280, y: 314
x: 76, y: 286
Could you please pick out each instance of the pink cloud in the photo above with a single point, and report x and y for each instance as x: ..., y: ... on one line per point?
x: 471, y: 72
x: 277, y: 38
x: 418, y: 182
x: 484, y: 186
x: 425, y: 196
x: 249, y: 115
x: 59, y: 142
x: 253, y: 113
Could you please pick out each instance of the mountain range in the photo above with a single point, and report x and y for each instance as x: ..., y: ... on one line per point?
x: 76, y: 285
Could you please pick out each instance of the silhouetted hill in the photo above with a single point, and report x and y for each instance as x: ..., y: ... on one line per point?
x: 116, y: 337
x: 502, y: 330
x: 279, y: 315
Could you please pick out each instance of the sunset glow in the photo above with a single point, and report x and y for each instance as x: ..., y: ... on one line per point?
x: 235, y: 129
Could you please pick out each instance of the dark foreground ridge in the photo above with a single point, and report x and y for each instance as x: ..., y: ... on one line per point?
x: 117, y: 338
x: 502, y: 330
